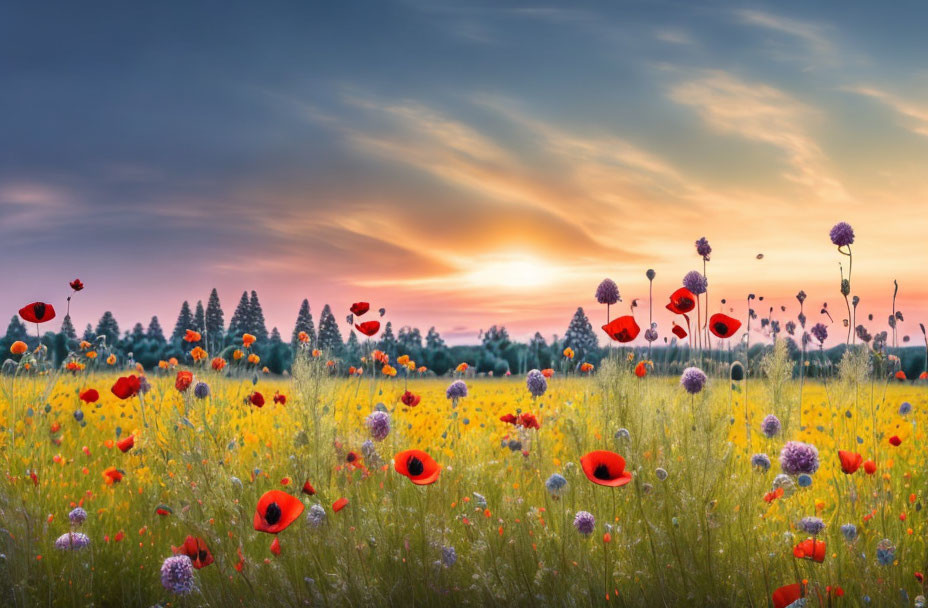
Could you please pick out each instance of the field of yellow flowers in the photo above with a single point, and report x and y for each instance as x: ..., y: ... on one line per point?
x: 99, y: 494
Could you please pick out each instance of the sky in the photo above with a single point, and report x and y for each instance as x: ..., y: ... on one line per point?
x: 461, y: 164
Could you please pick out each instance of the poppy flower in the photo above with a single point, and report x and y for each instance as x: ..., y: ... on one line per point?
x: 772, y: 496
x: 183, y: 381
x: 641, y: 370
x: 195, y: 548
x: 339, y: 504
x: 256, y: 399
x: 218, y: 363
x: 275, y: 511
x: 89, y: 395
x: 37, y: 312
x: 417, y: 466
x: 850, y: 461
x: 126, y: 444
x: 127, y: 386
x: 76, y: 285
x: 679, y: 331
x: 869, y: 467
x: 18, y: 347
x: 723, y: 326
x: 900, y: 375
x: 112, y: 475
x: 895, y: 441
x: 308, y: 488
x: 281, y: 399
x: 359, y: 308
x: 248, y: 339
x: 368, y: 328
x: 163, y: 510
x: 192, y: 336
x: 547, y: 372
x: 810, y: 548
x: 275, y: 546
x: 508, y: 418
x: 623, y: 329
x: 682, y: 301
x: 410, y: 400
x: 605, y: 468
x: 787, y: 595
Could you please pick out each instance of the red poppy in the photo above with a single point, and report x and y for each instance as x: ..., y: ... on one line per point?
x: 339, y: 504
x: 605, y: 468
x: 417, y: 466
x: 112, y: 475
x: 163, y: 510
x: 410, y: 400
x: 359, y: 308
x: 37, y: 312
x: 623, y: 329
x: 308, y: 488
x: 869, y: 467
x: 547, y: 372
x: 76, y: 285
x: 195, y: 548
x: 772, y: 496
x: 786, y: 595
x: 126, y: 444
x: 256, y: 399
x: 810, y: 548
x: 641, y: 370
x: 275, y: 511
x: 900, y: 375
x: 241, y: 561
x: 281, y: 399
x: 682, y: 301
x: 183, y: 381
x: 127, y: 386
x: 723, y: 326
x: 895, y: 441
x: 679, y: 331
x: 90, y: 395
x: 850, y: 461
x: 529, y: 420
x: 275, y: 546
x: 368, y: 328
x: 353, y: 459
x: 508, y: 418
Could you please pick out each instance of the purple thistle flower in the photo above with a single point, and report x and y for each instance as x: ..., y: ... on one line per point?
x: 770, y: 426
x: 144, y: 385
x: 315, y: 516
x: 77, y: 516
x: 820, y: 331
x: 608, y: 292
x: 201, y: 390
x: 536, y: 382
x: 448, y: 556
x: 456, y: 390
x: 72, y: 541
x: 693, y: 380
x: 378, y: 424
x: 761, y: 461
x: 177, y: 575
x: 695, y: 282
x: 842, y: 234
x: 703, y: 248
x: 811, y: 525
x: 797, y: 457
x: 585, y: 523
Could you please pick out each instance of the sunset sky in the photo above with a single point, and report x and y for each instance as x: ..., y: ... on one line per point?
x: 459, y: 163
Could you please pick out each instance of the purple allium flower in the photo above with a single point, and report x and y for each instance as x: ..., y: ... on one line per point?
x: 693, y: 380
x: 72, y: 541
x: 585, y: 523
x: 695, y: 282
x: 885, y: 552
x: 811, y: 525
x: 842, y: 234
x: 798, y: 457
x: 201, y: 390
x: 801, y: 296
x: 77, y: 516
x: 608, y: 292
x: 456, y: 390
x: 144, y: 385
x: 820, y: 331
x: 315, y: 516
x: 905, y: 408
x: 556, y: 483
x: 378, y: 424
x: 650, y: 334
x: 536, y: 382
x: 448, y: 556
x: 703, y: 248
x: 849, y: 531
x: 770, y: 426
x: 761, y: 461
x: 177, y: 575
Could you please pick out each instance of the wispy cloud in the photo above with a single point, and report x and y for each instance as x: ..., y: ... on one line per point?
x: 915, y: 113
x: 817, y: 48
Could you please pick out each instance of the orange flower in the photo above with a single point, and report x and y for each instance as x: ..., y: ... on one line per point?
x: 218, y: 363
x: 192, y: 336
x: 84, y: 345
x: 237, y: 354
x: 900, y: 375
x: 253, y: 358
x: 641, y: 370
x: 112, y: 475
x: 111, y: 360
x: 462, y: 367
x: 91, y: 354
x: 303, y: 337
x: 248, y: 340
x: 18, y: 347
x: 388, y: 371
x: 402, y: 359
x: 183, y: 381
x: 586, y: 367
x: 569, y: 352
x: 198, y: 354
x: 316, y: 352
x: 850, y: 461
x: 547, y: 372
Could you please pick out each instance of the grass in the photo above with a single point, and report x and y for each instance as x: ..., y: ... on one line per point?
x: 702, y: 536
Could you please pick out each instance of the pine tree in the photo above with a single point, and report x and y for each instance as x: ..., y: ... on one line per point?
x: 67, y: 328
x: 433, y: 340
x: 256, y: 316
x: 214, y: 321
x: 388, y: 343
x: 410, y: 341
x: 240, y: 323
x: 304, y: 322
x: 155, y: 333
x: 16, y: 330
x: 184, y: 322
x: 580, y: 336
x: 108, y: 327
x: 352, y: 349
x: 199, y: 318
x: 330, y: 338
x: 138, y: 333
x: 89, y: 336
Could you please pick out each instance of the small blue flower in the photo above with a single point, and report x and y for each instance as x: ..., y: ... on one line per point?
x: 804, y: 480
x: 905, y: 408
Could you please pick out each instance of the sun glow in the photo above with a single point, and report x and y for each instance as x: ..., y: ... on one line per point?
x: 510, y: 271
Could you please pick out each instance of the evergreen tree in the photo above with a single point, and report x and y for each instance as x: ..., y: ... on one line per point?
x: 330, y: 338
x: 304, y: 322
x: 256, y: 317
x: 184, y: 322
x: 108, y: 327
x: 16, y: 330
x: 241, y: 322
x: 137, y: 335
x: 89, y: 336
x: 388, y: 343
x: 214, y: 321
x: 353, y: 349
x: 433, y: 341
x: 495, y: 339
x: 580, y: 336
x: 155, y: 333
x: 277, y: 353
x: 410, y: 341
x: 199, y: 318
x: 67, y: 328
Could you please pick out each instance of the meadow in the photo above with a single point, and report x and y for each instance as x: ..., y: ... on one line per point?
x: 91, y: 517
